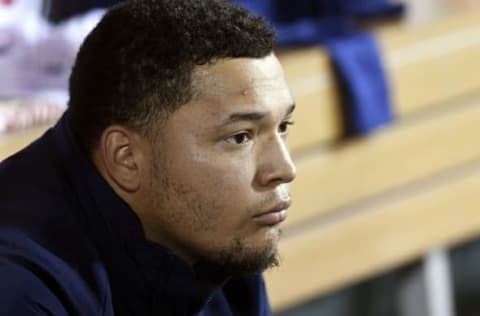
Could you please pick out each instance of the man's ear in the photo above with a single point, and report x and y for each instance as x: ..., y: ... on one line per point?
x: 122, y: 157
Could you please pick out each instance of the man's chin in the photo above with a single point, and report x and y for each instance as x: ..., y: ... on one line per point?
x: 240, y: 259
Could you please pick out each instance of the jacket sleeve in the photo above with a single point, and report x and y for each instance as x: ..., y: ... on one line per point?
x: 22, y: 293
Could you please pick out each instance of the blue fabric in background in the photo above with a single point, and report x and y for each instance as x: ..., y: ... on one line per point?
x: 61, y: 10
x: 355, y: 55
x: 363, y: 82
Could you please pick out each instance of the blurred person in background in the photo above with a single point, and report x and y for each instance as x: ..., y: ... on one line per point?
x: 36, y: 57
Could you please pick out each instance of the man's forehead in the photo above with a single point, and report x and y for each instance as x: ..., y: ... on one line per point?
x: 242, y: 81
x: 233, y: 90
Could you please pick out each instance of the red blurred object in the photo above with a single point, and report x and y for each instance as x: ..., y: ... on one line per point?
x: 6, y: 2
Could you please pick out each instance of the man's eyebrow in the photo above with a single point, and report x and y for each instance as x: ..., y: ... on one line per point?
x: 290, y: 109
x: 252, y: 116
x: 246, y: 116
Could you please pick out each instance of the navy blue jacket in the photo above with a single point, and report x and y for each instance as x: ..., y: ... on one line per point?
x: 70, y: 246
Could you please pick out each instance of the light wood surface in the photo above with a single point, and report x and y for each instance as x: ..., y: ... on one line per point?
x: 13, y: 142
x: 394, y: 157
x: 372, y: 239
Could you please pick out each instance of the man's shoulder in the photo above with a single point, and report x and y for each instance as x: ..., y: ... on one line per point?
x: 43, y: 239
x: 36, y: 166
x: 22, y: 292
x: 34, y: 193
x: 37, y: 276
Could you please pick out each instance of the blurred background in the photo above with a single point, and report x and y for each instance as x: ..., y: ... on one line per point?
x: 386, y: 213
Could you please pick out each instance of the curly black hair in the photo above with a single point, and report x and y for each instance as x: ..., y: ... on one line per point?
x: 136, y: 67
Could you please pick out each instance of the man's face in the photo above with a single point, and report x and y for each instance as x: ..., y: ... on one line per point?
x: 217, y: 189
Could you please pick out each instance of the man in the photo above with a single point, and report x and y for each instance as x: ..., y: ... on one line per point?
x: 161, y: 190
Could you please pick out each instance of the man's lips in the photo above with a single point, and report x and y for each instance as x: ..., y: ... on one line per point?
x: 275, y: 215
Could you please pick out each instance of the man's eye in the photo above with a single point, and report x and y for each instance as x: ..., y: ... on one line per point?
x: 283, y: 127
x: 240, y: 138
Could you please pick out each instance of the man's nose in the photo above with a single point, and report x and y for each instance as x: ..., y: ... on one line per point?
x: 276, y: 164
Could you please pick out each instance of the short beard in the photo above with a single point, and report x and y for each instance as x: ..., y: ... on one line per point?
x: 237, y: 260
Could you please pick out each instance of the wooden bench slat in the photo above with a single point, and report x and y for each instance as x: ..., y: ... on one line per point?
x: 431, y: 72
